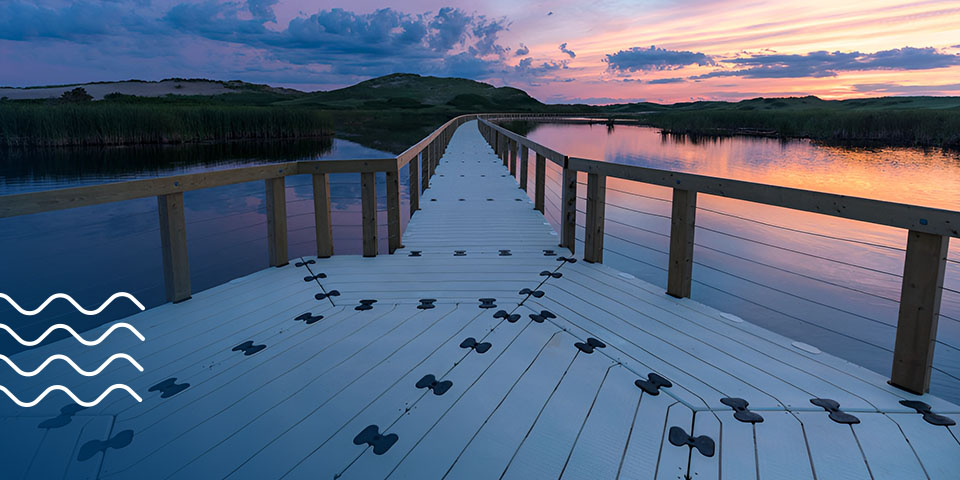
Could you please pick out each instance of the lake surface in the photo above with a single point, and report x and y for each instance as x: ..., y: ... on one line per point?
x: 828, y: 282
x: 92, y: 252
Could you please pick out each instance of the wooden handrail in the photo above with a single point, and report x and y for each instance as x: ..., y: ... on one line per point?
x: 929, y: 232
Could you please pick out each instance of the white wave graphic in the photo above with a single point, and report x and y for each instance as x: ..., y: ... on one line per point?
x: 118, y: 386
x: 73, y: 332
x: 67, y: 359
x: 73, y: 302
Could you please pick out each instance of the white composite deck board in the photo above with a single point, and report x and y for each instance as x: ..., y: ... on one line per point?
x: 707, y: 423
x: 782, y: 451
x: 744, y: 380
x: 937, y: 449
x: 789, y: 384
x: 383, y: 408
x: 502, y: 432
x: 642, y: 450
x: 838, y: 376
x: 545, y: 450
x: 208, y: 418
x: 833, y: 448
x: 599, y: 447
x: 887, y: 452
x: 486, y: 377
x: 533, y: 406
x: 708, y: 383
x: 673, y: 460
x: 736, y: 448
x: 352, y: 382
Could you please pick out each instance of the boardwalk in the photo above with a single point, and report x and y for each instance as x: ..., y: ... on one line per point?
x: 477, y: 350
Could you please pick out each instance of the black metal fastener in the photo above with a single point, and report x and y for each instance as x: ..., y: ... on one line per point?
x: 549, y: 253
x: 248, y: 348
x: 836, y: 414
x: 928, y: 415
x: 591, y: 344
x: 547, y: 273
x: 169, y: 387
x: 488, y: 303
x: 365, y: 305
x: 427, y: 303
x: 430, y: 382
x: 308, y: 262
x: 415, y: 253
x: 506, y: 316
x: 63, y: 419
x: 331, y: 293
x: 310, y: 278
x: 567, y: 259
x: 471, y: 342
x: 459, y: 253
x: 543, y: 315
x: 93, y: 447
x: 308, y: 318
x: 653, y: 384
x: 703, y: 443
x: 535, y: 293
x: 372, y: 437
x: 505, y: 253
x: 740, y: 411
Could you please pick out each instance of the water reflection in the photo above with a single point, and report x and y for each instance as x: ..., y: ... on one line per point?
x: 91, y: 252
x: 830, y: 282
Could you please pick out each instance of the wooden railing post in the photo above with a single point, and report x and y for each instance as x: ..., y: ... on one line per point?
x: 596, y: 203
x: 682, y: 227
x: 923, y: 271
x: 322, y: 214
x: 568, y: 214
x: 539, y: 182
x: 513, y: 158
x: 425, y: 174
x: 393, y: 210
x: 173, y: 245
x: 434, y: 156
x: 414, y: 185
x: 368, y: 208
x: 504, y: 142
x: 524, y: 159
x: 277, y: 222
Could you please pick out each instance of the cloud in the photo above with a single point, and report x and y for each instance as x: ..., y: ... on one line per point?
x: 564, y: 49
x: 828, y: 64
x: 907, y: 89
x: 523, y: 50
x: 638, y: 59
x: 527, y: 68
x: 659, y: 81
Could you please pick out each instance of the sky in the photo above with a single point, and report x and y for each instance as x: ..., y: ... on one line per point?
x: 602, y: 51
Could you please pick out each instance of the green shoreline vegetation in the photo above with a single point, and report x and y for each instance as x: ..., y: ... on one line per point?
x: 392, y: 112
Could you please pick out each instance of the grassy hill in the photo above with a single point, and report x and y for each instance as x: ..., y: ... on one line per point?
x: 394, y: 111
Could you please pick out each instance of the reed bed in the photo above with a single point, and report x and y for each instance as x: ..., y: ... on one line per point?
x: 915, y: 127
x: 28, y: 124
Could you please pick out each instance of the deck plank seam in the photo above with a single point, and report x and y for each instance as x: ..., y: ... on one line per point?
x: 688, y: 304
x: 439, y: 318
x: 586, y: 418
x: 228, y: 406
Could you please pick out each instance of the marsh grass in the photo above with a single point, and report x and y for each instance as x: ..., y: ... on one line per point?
x: 913, y: 127
x: 28, y: 124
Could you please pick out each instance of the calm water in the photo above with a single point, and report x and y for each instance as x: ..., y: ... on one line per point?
x: 825, y: 281
x: 92, y: 252
x: 828, y: 282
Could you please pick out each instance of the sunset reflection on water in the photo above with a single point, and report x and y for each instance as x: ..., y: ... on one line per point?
x: 830, y: 282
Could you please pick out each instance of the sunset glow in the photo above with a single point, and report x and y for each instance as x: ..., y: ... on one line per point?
x: 558, y: 51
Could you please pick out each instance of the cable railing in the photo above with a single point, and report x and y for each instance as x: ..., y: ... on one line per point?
x: 925, y: 258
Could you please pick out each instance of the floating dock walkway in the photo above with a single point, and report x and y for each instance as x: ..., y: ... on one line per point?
x: 478, y: 349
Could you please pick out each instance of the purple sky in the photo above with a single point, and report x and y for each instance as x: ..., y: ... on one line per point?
x: 558, y: 51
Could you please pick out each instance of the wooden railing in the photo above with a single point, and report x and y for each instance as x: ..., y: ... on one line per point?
x: 422, y: 158
x: 929, y: 232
